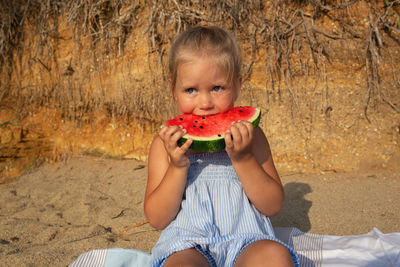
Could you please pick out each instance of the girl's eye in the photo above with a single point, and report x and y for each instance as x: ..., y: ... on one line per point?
x: 218, y: 88
x: 190, y: 90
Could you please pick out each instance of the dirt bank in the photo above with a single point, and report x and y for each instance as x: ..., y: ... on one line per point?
x: 92, y: 80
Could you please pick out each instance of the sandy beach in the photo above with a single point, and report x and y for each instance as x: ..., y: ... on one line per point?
x: 56, y: 212
x: 92, y: 78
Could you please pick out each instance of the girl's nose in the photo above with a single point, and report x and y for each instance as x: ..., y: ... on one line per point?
x: 206, y: 101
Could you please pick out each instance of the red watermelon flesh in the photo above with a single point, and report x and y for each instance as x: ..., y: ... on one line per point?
x: 207, y: 132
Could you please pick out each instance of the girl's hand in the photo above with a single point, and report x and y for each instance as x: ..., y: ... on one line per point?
x: 238, y: 140
x: 170, y: 136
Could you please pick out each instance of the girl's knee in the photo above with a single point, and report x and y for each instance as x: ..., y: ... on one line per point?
x: 186, y: 258
x: 265, y: 253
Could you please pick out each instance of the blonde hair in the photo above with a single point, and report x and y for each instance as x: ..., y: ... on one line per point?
x: 210, y: 41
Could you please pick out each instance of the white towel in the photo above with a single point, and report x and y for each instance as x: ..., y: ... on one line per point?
x: 373, y: 249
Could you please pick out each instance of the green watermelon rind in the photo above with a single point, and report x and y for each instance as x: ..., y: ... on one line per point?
x: 214, y: 144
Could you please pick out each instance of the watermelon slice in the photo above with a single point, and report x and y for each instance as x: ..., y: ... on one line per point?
x: 207, y: 132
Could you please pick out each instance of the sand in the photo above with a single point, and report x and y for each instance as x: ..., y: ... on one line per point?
x: 52, y: 214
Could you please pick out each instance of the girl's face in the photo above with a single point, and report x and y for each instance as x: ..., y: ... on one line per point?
x: 202, y: 88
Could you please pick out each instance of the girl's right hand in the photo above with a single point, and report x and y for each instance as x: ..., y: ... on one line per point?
x: 177, y: 154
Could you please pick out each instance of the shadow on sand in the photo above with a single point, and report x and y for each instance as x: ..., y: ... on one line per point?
x: 294, y: 212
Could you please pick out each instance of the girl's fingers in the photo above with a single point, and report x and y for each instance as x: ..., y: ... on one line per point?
x: 248, y: 128
x: 166, y: 131
x: 239, y: 136
x: 186, y: 145
x: 177, y: 135
x: 243, y: 130
x: 228, y: 140
x: 162, y: 132
x: 170, y: 135
x: 236, y: 134
x: 171, y: 131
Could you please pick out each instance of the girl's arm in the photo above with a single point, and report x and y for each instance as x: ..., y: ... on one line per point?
x: 251, y: 157
x: 167, y: 171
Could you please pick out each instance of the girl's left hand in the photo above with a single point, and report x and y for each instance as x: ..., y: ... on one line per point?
x: 239, y: 139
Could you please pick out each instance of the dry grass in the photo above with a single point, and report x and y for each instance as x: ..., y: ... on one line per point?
x: 291, y: 35
x: 287, y: 32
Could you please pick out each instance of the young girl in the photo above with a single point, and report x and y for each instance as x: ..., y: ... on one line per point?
x: 213, y: 207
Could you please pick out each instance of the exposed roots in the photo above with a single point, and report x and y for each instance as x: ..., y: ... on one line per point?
x: 287, y: 32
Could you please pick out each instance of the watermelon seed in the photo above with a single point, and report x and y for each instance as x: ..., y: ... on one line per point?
x: 203, y: 117
x: 201, y: 127
x: 219, y: 135
x: 181, y: 119
x: 196, y: 121
x: 194, y: 126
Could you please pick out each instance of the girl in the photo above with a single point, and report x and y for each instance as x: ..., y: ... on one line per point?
x: 213, y: 207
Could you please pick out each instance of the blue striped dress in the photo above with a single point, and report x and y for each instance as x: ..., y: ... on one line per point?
x: 216, y: 217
